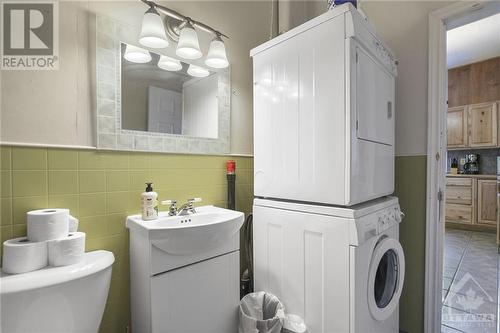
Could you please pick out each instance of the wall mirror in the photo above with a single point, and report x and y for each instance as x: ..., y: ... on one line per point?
x: 149, y: 100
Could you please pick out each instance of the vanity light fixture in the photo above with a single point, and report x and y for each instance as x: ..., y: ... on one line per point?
x: 188, y: 46
x: 216, y: 57
x: 169, y: 64
x: 197, y: 71
x: 136, y: 54
x: 153, y: 31
x: 184, y: 30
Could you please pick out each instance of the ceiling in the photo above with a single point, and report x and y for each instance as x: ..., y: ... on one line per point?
x: 473, y: 42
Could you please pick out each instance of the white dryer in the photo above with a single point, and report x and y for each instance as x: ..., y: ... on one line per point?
x: 324, y: 112
x: 341, y: 269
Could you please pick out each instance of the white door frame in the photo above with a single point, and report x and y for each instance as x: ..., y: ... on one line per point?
x: 436, y: 158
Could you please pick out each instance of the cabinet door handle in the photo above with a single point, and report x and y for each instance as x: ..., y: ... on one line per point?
x: 389, y: 109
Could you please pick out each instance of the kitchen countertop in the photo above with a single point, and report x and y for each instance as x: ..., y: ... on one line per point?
x: 472, y: 176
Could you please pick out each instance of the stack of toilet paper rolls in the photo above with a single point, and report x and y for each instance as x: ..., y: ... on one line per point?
x: 52, y: 240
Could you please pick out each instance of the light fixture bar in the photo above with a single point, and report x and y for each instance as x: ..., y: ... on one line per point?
x: 180, y: 17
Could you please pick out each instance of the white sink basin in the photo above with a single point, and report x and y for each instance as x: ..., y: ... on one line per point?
x: 208, y: 229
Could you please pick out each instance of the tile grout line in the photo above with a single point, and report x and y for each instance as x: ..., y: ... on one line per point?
x: 78, y: 183
x: 453, y: 328
x: 11, y: 193
x: 458, y: 267
x: 46, y: 174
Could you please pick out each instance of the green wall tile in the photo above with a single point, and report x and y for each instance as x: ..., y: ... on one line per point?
x: 20, y: 206
x: 163, y: 161
x: 139, y: 161
x: 6, y: 183
x: 90, y: 160
x: 5, y: 158
x: 101, y: 188
x: 29, y: 183
x: 69, y: 201
x: 5, y: 233
x: 63, y: 182
x: 117, y: 180
x: 116, y: 160
x: 62, y: 159
x: 138, y: 178
x: 116, y: 223
x: 116, y: 202
x: 92, y: 181
x: 92, y: 204
x: 163, y: 178
x: 6, y: 209
x: 29, y: 158
x: 134, y: 202
x: 19, y: 230
x: 94, y: 226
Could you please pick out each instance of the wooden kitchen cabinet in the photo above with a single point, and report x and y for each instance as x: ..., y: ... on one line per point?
x: 482, y: 124
x: 487, y: 202
x: 456, y: 127
x: 460, y: 204
x: 459, y: 214
x: 471, y: 202
x: 473, y: 99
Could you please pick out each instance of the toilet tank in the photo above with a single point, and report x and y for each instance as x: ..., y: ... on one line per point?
x: 66, y: 299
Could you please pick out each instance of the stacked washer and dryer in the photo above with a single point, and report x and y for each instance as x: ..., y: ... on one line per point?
x: 325, y: 232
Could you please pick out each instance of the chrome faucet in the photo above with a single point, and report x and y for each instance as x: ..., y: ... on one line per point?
x: 188, y: 207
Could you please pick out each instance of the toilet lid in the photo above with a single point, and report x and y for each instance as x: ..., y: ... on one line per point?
x: 91, y: 263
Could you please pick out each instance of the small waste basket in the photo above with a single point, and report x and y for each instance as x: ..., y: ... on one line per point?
x: 263, y: 312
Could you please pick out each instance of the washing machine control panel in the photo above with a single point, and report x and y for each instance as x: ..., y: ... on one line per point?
x: 388, y: 217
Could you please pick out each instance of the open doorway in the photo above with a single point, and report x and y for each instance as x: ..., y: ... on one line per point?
x: 470, y: 265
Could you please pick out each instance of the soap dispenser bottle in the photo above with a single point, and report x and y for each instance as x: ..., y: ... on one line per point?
x: 149, y: 201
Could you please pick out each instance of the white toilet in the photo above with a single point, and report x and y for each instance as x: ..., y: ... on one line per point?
x: 66, y: 299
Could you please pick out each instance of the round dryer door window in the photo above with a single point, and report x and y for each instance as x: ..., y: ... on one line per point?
x: 385, y: 280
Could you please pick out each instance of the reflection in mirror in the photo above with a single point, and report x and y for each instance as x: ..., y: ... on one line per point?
x: 164, y: 95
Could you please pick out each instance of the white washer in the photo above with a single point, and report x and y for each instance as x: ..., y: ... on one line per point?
x: 341, y: 269
x: 377, y: 270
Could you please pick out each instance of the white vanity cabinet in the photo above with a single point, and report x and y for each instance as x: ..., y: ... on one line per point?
x: 184, y: 272
x: 202, y: 297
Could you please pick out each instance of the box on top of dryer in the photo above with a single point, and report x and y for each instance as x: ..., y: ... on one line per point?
x: 324, y: 112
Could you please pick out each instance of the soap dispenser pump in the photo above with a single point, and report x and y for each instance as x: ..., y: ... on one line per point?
x: 149, y: 201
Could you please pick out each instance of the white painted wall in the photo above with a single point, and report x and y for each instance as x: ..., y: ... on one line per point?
x: 57, y: 107
x: 53, y: 107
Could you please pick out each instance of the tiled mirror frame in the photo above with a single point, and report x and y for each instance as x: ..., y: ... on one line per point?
x: 110, y: 135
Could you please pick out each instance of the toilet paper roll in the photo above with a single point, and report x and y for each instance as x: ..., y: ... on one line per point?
x: 73, y: 224
x: 68, y: 250
x: 21, y: 255
x: 47, y: 224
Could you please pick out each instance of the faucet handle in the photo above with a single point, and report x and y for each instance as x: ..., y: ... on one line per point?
x: 193, y: 200
x: 173, y: 206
